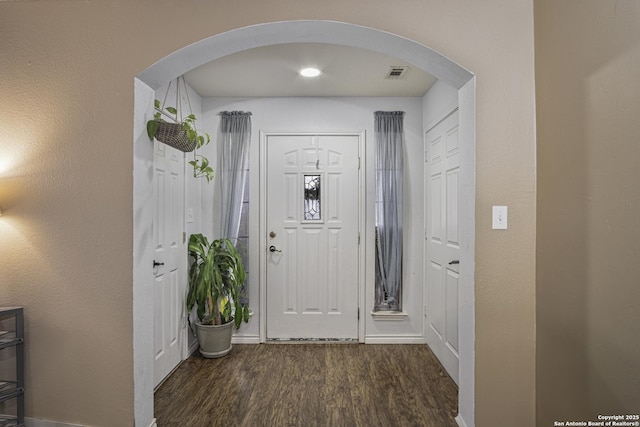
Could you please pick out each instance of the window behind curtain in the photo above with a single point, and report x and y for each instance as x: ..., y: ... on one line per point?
x: 389, y: 147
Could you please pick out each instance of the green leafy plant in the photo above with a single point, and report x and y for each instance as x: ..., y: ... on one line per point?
x: 201, y: 166
x: 216, y: 276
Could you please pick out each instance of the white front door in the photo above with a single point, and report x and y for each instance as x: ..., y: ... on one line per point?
x: 312, y: 242
x: 169, y: 253
x: 443, y: 241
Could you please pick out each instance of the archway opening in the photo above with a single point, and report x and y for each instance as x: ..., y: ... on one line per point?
x: 218, y: 46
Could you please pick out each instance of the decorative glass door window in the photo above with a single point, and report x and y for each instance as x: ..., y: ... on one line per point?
x: 312, y: 198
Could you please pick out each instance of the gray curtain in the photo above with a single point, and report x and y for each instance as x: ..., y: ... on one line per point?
x: 233, y: 163
x: 389, y: 137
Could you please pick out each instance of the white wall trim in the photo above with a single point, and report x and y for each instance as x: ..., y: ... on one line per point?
x: 39, y: 422
x: 460, y: 421
x: 389, y: 315
x: 262, y: 218
x: 245, y: 339
x: 467, y: 301
x: 192, y: 348
x: 362, y: 232
x: 449, y: 110
x: 453, y: 108
x: 143, y: 279
x: 332, y: 32
x: 394, y: 339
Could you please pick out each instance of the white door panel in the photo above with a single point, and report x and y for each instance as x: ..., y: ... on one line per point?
x: 443, y: 242
x: 312, y: 273
x: 169, y: 252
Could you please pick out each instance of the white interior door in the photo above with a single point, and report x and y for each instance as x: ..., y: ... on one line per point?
x: 443, y: 241
x: 170, y: 274
x: 312, y: 226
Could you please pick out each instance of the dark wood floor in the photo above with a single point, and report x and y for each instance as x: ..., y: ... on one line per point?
x: 310, y: 385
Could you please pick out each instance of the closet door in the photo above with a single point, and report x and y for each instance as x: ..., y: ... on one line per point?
x: 170, y: 255
x: 443, y: 241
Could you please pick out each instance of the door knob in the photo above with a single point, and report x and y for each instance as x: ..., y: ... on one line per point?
x: 156, y: 263
x: 273, y: 249
x: 455, y: 261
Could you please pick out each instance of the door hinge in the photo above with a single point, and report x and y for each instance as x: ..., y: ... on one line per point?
x: 359, y: 161
x: 358, y: 237
x: 184, y: 237
x: 358, y: 313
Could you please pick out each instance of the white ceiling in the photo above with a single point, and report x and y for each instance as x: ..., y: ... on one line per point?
x: 273, y: 71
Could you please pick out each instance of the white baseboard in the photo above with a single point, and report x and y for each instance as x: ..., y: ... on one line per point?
x: 193, y: 348
x: 394, y: 339
x: 241, y: 339
x: 370, y: 339
x: 39, y: 422
x: 245, y: 339
x: 460, y: 421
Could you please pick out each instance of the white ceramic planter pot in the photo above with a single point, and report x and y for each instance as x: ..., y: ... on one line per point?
x: 214, y: 340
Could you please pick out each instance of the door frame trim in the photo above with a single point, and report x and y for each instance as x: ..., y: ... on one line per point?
x: 262, y: 227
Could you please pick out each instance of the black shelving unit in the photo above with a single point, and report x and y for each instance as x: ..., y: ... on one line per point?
x: 12, y: 386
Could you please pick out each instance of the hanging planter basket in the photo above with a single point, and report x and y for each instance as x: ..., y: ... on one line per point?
x: 173, y: 135
x: 179, y: 131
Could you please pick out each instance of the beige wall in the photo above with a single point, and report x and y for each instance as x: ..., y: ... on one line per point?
x: 66, y: 132
x: 588, y: 245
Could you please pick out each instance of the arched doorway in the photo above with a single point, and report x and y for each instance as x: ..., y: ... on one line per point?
x: 245, y: 38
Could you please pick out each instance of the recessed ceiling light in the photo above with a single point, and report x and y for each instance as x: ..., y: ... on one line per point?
x: 310, y: 72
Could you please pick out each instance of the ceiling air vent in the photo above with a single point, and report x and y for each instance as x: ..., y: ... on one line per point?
x: 396, y: 72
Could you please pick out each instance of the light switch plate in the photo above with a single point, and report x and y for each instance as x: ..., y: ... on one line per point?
x: 499, y: 218
x: 189, y: 215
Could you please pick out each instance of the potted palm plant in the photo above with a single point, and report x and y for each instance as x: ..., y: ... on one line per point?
x: 216, y: 276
